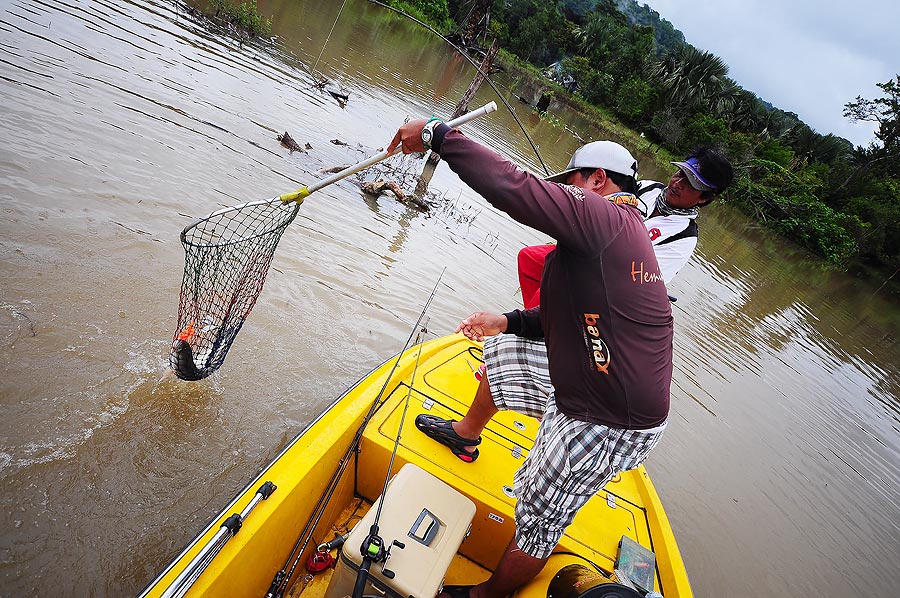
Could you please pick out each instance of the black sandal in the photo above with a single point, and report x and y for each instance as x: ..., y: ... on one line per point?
x: 456, y: 591
x: 441, y: 430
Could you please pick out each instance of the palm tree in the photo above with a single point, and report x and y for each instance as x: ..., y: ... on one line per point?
x: 815, y: 147
x: 690, y: 78
x: 595, y: 36
x: 726, y: 102
x: 750, y: 114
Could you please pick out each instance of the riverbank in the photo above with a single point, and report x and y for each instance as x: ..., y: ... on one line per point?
x: 529, y: 76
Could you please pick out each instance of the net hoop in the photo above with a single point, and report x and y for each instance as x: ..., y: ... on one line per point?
x: 227, y: 257
x: 250, y: 204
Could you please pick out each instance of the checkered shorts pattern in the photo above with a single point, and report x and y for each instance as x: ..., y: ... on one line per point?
x: 518, y: 373
x: 571, y: 459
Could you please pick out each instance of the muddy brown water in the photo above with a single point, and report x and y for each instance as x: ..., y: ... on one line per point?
x: 122, y: 121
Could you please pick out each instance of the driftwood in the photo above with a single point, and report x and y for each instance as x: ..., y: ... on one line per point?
x: 342, y: 97
x: 288, y: 142
x: 380, y: 186
x: 576, y: 135
x: 339, y: 142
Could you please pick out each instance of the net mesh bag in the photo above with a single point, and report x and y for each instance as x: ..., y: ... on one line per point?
x: 227, y: 256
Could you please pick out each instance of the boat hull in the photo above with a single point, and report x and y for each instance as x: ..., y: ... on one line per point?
x: 330, y: 457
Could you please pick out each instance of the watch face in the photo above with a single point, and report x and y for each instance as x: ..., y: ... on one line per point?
x: 426, y: 135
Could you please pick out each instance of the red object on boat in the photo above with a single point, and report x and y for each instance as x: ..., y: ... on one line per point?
x: 531, y: 266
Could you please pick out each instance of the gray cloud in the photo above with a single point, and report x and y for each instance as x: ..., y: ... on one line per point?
x: 806, y: 57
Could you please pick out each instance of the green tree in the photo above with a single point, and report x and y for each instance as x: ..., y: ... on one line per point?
x: 885, y: 112
x: 703, y: 128
x: 537, y: 31
x: 772, y: 150
x: 690, y: 78
x: 666, y: 37
x: 878, y: 204
x: 814, y: 147
x: 635, y: 100
x: 594, y: 86
x: 788, y: 203
x: 434, y: 12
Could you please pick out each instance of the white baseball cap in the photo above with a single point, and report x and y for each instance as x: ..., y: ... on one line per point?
x: 607, y: 155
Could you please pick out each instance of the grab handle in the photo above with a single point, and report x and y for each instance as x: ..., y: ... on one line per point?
x: 425, y: 528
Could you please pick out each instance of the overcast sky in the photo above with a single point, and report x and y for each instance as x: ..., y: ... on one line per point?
x: 805, y: 56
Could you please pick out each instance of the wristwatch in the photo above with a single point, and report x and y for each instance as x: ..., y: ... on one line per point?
x: 428, y: 131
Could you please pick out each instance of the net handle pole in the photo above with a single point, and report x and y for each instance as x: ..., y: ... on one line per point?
x: 302, y: 193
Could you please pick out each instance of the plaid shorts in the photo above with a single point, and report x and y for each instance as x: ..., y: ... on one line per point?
x: 571, y: 459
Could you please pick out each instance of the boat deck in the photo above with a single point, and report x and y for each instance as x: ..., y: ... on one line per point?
x: 445, y: 384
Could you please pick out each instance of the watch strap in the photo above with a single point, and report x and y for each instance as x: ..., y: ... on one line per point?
x: 430, y: 125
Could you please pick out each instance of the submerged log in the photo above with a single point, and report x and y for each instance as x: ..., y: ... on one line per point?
x: 342, y: 98
x: 381, y: 186
x: 339, y: 96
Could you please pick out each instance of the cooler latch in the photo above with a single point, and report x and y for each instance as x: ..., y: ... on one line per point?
x: 425, y: 528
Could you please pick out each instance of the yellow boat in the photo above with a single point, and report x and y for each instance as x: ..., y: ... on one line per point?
x: 443, y: 520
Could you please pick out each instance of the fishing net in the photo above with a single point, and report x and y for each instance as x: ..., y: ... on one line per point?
x: 227, y: 256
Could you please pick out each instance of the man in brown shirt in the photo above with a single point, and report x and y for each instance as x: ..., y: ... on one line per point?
x: 593, y: 361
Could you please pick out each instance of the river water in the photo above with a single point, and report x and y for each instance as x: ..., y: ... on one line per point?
x: 123, y: 120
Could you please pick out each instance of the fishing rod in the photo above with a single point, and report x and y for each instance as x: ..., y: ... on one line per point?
x: 283, y: 576
x: 372, y: 549
x: 327, y: 38
x: 481, y: 72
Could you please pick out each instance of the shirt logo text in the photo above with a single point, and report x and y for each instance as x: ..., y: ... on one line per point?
x: 598, y: 349
x: 639, y: 276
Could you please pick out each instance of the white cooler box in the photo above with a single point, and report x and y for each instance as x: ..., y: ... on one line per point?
x: 429, y: 517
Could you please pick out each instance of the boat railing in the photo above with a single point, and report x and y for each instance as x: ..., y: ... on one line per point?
x: 228, y: 529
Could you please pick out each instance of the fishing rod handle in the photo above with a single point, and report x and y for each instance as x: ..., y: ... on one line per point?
x: 362, y: 578
x: 468, y: 116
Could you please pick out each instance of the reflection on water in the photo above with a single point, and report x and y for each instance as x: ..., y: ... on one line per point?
x: 793, y: 381
x: 124, y: 120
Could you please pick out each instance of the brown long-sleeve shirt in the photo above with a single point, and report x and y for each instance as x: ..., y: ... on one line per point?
x: 604, y: 311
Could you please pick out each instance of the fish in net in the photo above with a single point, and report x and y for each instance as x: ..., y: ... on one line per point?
x: 227, y: 256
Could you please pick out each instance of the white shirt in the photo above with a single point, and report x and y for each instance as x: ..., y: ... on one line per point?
x: 674, y: 237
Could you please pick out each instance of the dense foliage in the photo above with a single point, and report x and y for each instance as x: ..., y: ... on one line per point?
x: 839, y: 201
x: 433, y: 12
x: 243, y: 15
